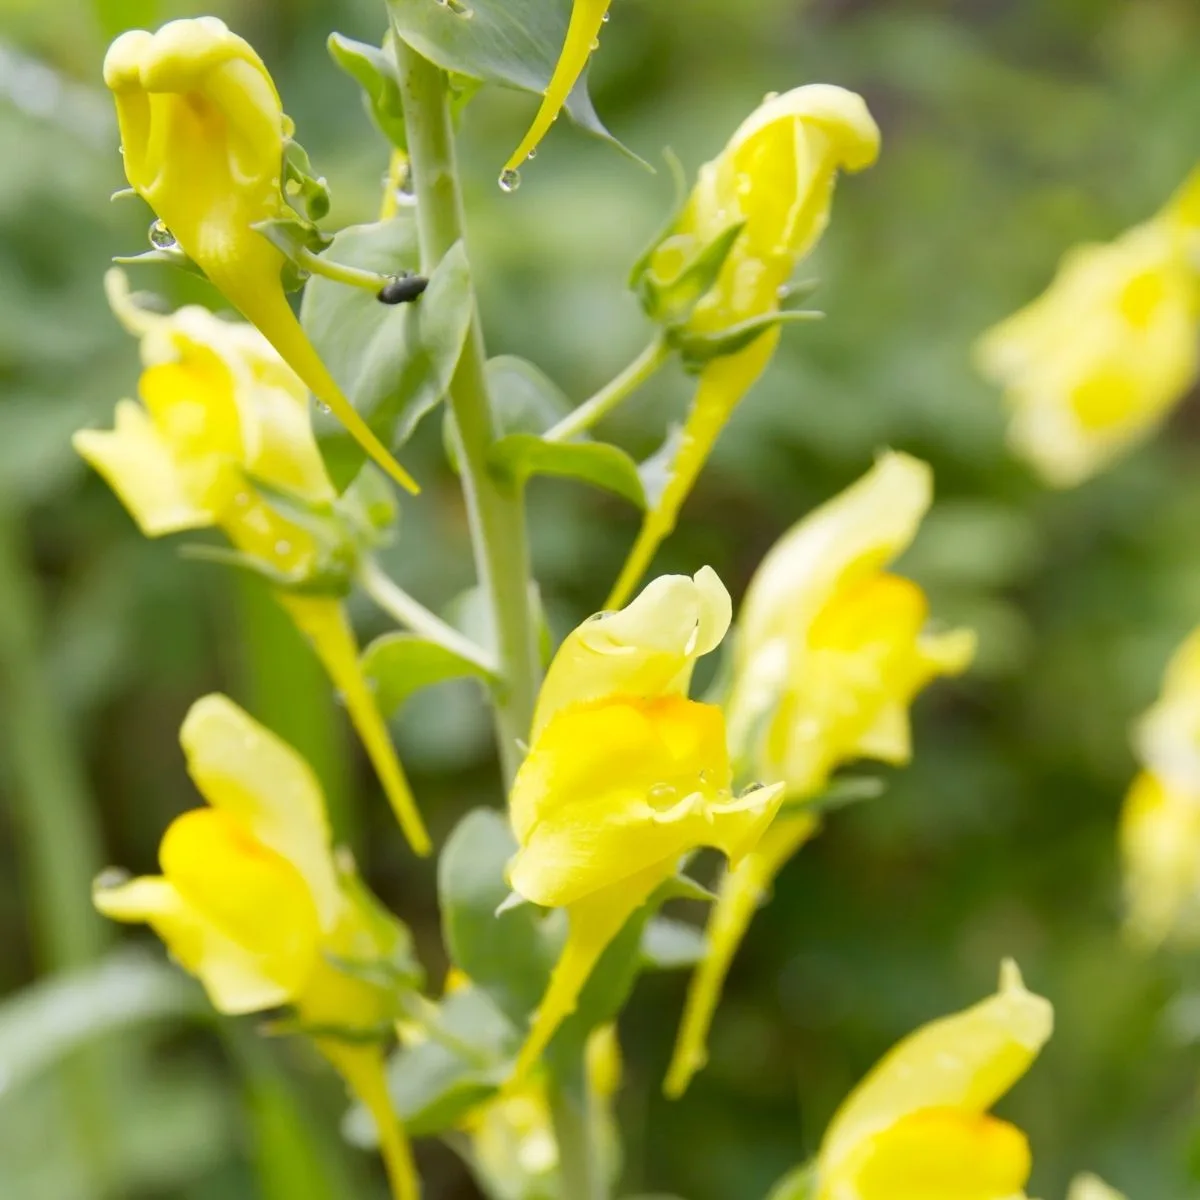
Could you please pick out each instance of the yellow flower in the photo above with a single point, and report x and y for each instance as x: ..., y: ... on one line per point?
x: 1095, y: 364
x: 830, y: 651
x: 624, y: 777
x: 917, y: 1127
x: 587, y: 19
x: 776, y: 176
x: 512, y: 1136
x: 831, y: 647
x: 1160, y: 822
x: 1090, y: 1187
x: 220, y: 410
x: 252, y: 902
x: 203, y: 133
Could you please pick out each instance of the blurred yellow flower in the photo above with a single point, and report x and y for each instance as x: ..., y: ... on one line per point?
x: 202, y: 134
x: 917, y: 1127
x: 1090, y: 1187
x: 624, y: 777
x: 830, y: 652
x: 583, y: 32
x: 252, y: 902
x: 1095, y: 364
x: 775, y: 179
x: 220, y: 410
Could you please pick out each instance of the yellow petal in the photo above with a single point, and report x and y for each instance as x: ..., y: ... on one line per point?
x: 1091, y: 1187
x: 647, y: 649
x: 243, y: 769
x: 965, y: 1062
x: 743, y: 888
x: 939, y: 1154
x: 248, y: 892
x: 587, y: 19
x: 1160, y: 857
x: 138, y: 464
x: 325, y: 625
x: 849, y: 537
x: 234, y: 978
x: 611, y: 789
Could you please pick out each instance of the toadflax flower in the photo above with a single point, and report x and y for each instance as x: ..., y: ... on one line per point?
x: 625, y: 775
x: 220, y: 413
x: 773, y: 181
x: 1160, y: 822
x: 918, y: 1124
x: 202, y: 134
x: 1097, y: 362
x: 830, y: 651
x: 253, y: 903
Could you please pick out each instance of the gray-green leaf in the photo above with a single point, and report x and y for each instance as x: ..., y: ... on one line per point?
x: 399, y: 664
x: 521, y: 455
x: 394, y: 362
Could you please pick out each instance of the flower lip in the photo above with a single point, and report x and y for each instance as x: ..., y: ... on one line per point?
x: 176, y: 58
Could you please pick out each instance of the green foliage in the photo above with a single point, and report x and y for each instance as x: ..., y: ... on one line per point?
x: 394, y: 362
x: 400, y: 664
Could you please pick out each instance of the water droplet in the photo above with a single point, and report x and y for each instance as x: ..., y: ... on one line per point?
x: 595, y: 44
x: 750, y: 787
x: 161, y: 238
x: 242, y: 499
x: 606, y: 612
x: 532, y: 154
x: 111, y: 877
x: 605, y: 17
x: 706, y: 776
x: 662, y: 795
x: 324, y: 407
x: 510, y: 180
x: 783, y: 291
x: 282, y: 547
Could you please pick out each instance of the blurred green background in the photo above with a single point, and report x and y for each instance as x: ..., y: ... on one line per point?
x: 1011, y: 130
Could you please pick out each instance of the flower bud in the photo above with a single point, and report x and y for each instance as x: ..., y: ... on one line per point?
x: 773, y: 183
x: 203, y: 135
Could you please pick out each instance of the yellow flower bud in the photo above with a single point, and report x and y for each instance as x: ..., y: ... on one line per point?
x: 220, y: 410
x: 202, y: 133
x: 1091, y: 1187
x: 830, y: 652
x: 1095, y: 364
x: 918, y: 1125
x: 776, y: 178
x: 587, y: 19
x: 624, y: 777
x: 251, y: 902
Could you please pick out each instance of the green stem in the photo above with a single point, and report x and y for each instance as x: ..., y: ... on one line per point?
x: 612, y: 394
x: 58, y: 840
x: 318, y: 264
x: 413, y: 615
x: 580, y: 1170
x: 495, y: 508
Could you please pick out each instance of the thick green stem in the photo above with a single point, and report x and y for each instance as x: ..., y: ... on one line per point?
x: 612, y: 394
x: 495, y: 508
x: 580, y: 1168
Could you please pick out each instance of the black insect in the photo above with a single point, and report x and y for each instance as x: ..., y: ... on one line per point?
x: 403, y: 289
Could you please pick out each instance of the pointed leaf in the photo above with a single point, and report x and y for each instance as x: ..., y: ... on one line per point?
x: 399, y: 664
x: 521, y: 455
x: 374, y: 69
x: 511, y: 42
x: 394, y: 362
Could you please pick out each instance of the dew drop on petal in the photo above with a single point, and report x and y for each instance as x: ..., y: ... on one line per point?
x: 161, y: 238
